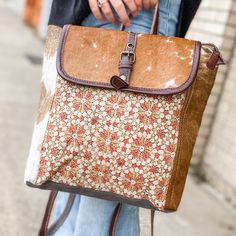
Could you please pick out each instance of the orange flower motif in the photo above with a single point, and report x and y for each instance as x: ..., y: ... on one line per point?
x: 116, y: 106
x: 100, y: 174
x: 121, y: 161
x: 149, y: 113
x: 107, y: 141
x: 133, y: 182
x: 141, y: 148
x: 83, y: 101
x: 161, y: 189
x: 69, y: 169
x: 88, y: 155
x: 74, y: 136
x: 160, y: 133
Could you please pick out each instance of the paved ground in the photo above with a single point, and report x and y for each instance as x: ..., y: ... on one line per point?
x: 202, y: 213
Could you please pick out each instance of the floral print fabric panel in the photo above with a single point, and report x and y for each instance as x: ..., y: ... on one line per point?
x: 118, y: 142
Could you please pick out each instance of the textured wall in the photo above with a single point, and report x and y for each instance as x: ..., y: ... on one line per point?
x: 44, y: 18
x: 215, y: 150
x: 219, y: 163
x: 212, y: 24
x: 16, y: 5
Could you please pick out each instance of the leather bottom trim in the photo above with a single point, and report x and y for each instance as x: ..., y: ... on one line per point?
x: 50, y: 185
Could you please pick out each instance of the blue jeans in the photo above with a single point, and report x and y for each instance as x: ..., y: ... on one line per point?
x: 91, y: 216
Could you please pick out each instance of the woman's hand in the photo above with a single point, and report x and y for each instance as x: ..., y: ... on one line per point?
x: 98, y: 6
x: 104, y: 6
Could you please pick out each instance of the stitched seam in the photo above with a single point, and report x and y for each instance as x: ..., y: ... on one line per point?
x: 188, y: 99
x: 180, y: 138
x: 177, y: 149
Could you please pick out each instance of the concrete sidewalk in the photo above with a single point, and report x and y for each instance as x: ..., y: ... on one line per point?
x: 202, y: 213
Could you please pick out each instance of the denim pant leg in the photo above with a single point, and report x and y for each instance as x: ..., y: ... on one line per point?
x: 94, y: 218
x: 168, y: 16
x: 91, y: 216
x: 69, y: 225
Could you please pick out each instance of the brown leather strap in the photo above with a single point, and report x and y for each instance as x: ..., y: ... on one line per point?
x: 53, y: 229
x: 155, y: 21
x: 115, y: 219
x: 49, y: 231
x: 152, y: 222
x: 127, y: 59
x: 47, y: 214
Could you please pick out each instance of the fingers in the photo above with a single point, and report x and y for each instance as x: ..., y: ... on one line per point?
x: 106, y: 8
x: 139, y: 4
x: 95, y: 10
x: 119, y: 6
x: 121, y: 11
x: 146, y: 4
x: 154, y: 3
x: 132, y: 6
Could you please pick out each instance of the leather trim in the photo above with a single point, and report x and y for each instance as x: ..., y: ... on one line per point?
x: 168, y: 91
x: 50, y: 185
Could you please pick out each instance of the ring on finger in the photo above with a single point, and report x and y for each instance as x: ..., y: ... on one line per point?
x: 101, y: 2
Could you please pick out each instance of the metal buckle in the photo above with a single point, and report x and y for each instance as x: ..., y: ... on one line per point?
x: 129, y: 53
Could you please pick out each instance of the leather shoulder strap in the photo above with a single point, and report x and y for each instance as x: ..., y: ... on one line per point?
x: 152, y: 222
x: 49, y: 231
x: 55, y: 226
x: 47, y: 214
x: 116, y: 216
x: 115, y: 219
x: 155, y: 21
